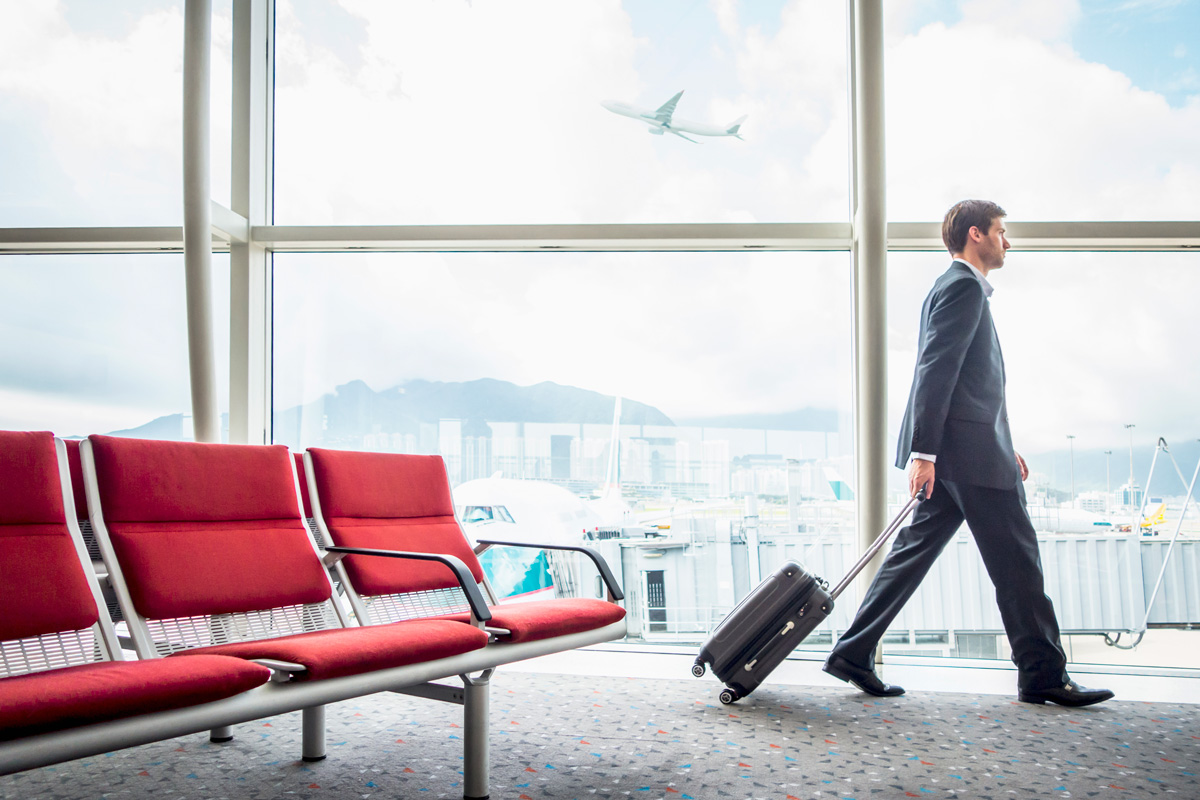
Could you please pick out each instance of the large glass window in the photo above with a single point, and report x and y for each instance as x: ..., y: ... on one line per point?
x: 727, y: 375
x: 731, y: 373
x: 517, y: 112
x: 91, y: 112
x: 1058, y: 111
x: 98, y: 344
x: 1093, y: 343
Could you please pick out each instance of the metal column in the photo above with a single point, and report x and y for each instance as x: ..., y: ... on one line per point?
x: 197, y: 218
x: 312, y: 725
x: 250, y: 263
x: 476, y: 754
x: 869, y: 254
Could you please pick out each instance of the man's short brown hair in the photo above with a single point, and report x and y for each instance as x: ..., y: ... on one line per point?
x: 965, y: 215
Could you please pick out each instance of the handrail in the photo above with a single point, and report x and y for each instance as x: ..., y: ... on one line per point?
x: 479, y: 606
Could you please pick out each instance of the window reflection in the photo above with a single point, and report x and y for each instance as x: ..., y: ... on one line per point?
x: 686, y: 414
x: 447, y: 112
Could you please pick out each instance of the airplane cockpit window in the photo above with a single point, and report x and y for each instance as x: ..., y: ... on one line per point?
x: 486, y: 514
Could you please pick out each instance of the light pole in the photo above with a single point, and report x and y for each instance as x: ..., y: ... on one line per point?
x: 1107, y: 477
x: 1130, y: 428
x: 1071, y: 441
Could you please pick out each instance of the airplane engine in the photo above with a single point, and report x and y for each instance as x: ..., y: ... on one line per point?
x: 655, y: 131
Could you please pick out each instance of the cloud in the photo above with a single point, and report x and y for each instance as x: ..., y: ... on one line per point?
x: 106, y: 111
x: 1044, y: 20
x: 488, y: 112
x: 667, y: 329
x: 100, y: 339
x: 1046, y: 133
x: 1091, y: 341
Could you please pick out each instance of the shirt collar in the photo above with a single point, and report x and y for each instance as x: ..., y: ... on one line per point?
x: 987, y: 287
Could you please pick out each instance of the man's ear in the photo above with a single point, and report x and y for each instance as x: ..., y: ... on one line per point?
x: 975, y: 234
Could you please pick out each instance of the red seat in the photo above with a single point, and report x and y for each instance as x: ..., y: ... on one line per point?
x: 52, y: 625
x: 391, y: 501
x: 91, y: 693
x: 215, y: 529
x: 76, y: 464
x: 545, y: 619
x: 352, y: 651
x: 303, y: 481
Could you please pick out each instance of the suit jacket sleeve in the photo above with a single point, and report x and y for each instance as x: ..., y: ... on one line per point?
x: 955, y: 313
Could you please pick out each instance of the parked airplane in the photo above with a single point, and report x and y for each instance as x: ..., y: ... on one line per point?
x: 662, y: 120
x: 508, y: 509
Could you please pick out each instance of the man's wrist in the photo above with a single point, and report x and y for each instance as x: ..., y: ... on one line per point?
x: 932, y: 459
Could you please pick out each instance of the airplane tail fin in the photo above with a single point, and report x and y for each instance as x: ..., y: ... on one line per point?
x: 732, y: 130
x: 612, y: 478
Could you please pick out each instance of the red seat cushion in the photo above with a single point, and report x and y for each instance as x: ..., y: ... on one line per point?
x: 43, y: 588
x: 391, y: 501
x: 30, y: 489
x: 206, y: 528
x: 351, y: 651
x: 185, y: 569
x: 545, y: 619
x: 375, y: 575
x: 91, y: 693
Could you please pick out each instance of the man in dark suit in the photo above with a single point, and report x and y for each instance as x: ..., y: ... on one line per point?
x: 956, y: 427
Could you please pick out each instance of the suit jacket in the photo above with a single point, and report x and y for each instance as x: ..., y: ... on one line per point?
x: 956, y: 408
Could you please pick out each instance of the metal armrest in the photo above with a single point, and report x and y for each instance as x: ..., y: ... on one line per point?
x: 281, y: 671
x: 614, y: 591
x: 479, y: 606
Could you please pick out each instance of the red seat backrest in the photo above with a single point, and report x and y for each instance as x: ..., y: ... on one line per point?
x: 76, y: 464
x: 43, y: 588
x: 391, y: 501
x: 206, y: 528
x: 303, y: 485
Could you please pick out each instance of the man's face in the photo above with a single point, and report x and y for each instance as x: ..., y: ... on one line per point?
x: 993, y: 245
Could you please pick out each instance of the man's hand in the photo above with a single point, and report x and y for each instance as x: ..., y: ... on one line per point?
x: 1021, y: 466
x: 920, y: 476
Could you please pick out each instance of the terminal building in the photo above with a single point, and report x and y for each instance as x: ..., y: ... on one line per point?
x: 495, y: 240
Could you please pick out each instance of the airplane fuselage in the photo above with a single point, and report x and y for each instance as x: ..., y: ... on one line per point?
x: 662, y: 120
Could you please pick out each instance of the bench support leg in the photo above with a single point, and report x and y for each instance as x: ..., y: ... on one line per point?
x: 476, y: 762
x: 223, y: 734
x: 313, y: 748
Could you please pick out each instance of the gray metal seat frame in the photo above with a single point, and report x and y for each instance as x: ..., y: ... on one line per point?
x: 474, y: 693
x: 282, y: 694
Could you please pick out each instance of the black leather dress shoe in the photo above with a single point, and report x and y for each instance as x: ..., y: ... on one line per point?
x: 1069, y: 694
x: 864, y: 679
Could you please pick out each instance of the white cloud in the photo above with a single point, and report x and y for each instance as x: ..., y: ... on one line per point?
x: 489, y: 112
x: 107, y: 114
x: 1034, y: 126
x: 1044, y: 20
x: 667, y: 329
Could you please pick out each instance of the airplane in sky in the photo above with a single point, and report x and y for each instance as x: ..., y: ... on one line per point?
x: 662, y: 120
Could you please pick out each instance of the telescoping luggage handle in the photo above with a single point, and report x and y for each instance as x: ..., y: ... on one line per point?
x: 878, y: 543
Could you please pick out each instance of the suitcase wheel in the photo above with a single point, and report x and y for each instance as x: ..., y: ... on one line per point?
x: 729, y: 696
x: 698, y: 669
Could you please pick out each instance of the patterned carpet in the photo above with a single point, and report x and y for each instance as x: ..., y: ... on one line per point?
x: 557, y: 736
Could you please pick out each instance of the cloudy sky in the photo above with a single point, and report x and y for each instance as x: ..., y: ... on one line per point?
x: 489, y: 112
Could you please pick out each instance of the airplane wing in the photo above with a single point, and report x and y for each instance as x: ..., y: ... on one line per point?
x: 667, y: 109
x: 681, y: 136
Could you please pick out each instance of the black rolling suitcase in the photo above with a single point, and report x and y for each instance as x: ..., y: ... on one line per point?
x: 776, y: 617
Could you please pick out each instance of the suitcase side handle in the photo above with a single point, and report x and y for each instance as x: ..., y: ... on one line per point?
x: 877, y: 544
